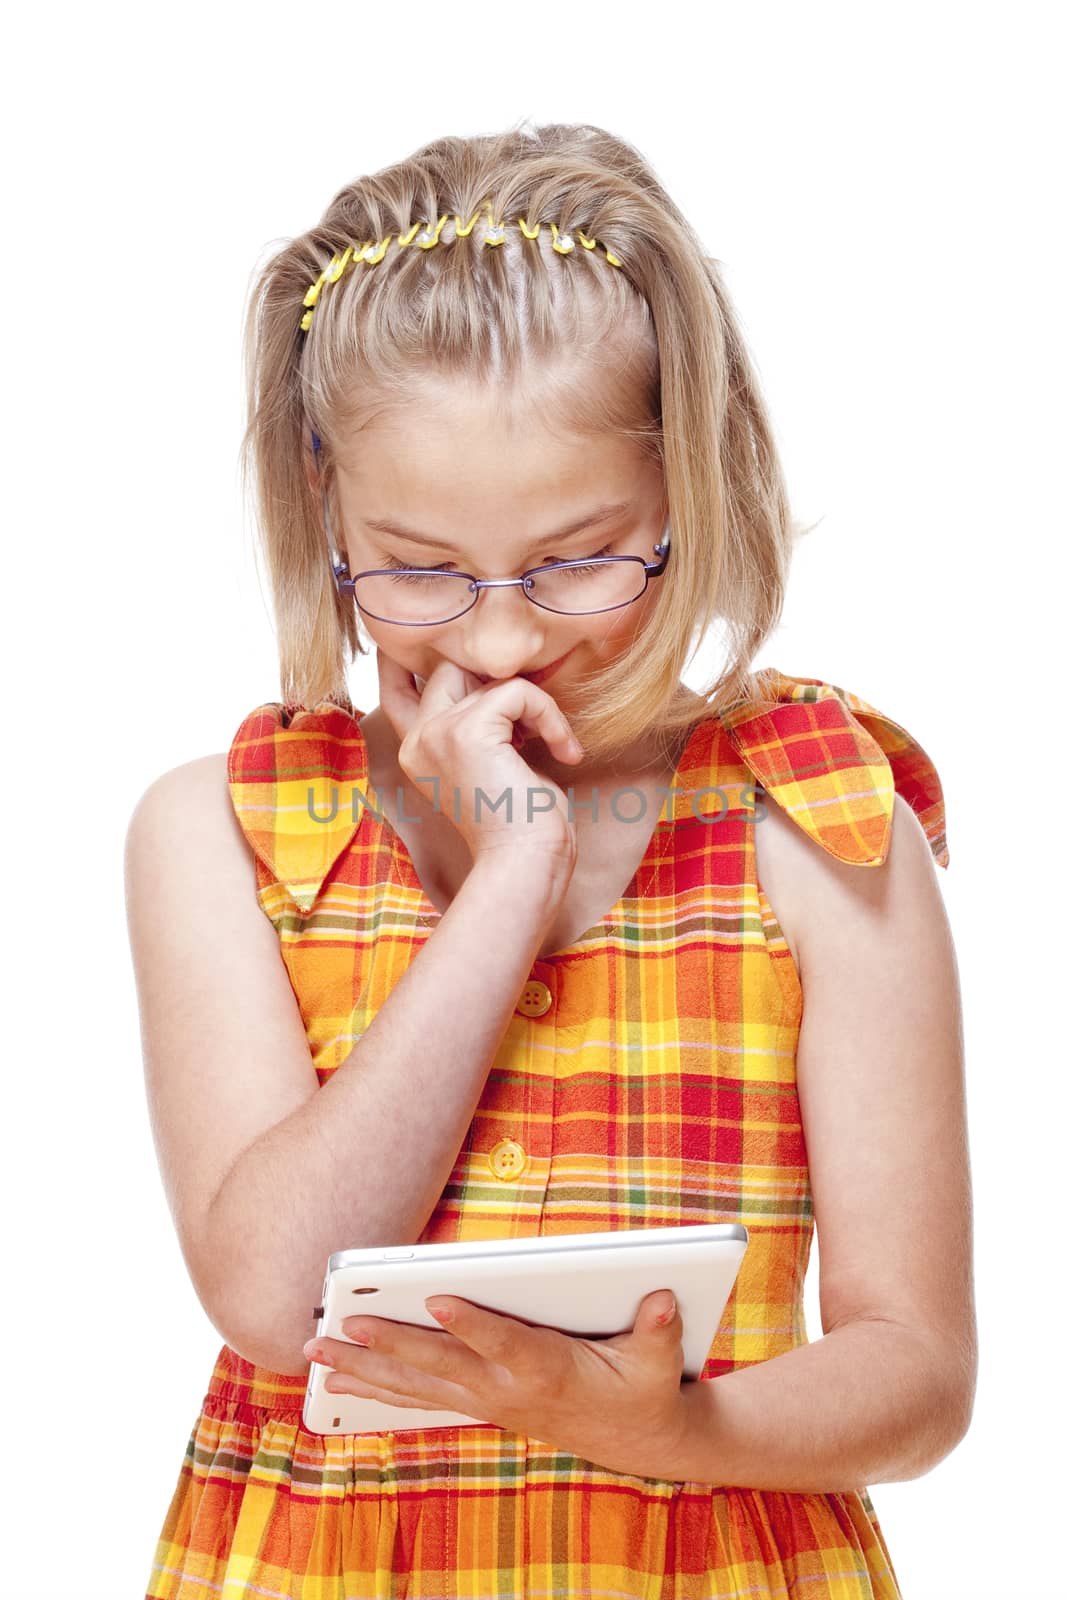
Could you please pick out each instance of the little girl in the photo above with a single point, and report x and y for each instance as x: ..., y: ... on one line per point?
x: 696, y: 969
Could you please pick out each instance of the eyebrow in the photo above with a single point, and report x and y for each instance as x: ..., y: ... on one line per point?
x: 398, y: 531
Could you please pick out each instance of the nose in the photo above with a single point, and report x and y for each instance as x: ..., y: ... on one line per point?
x: 505, y: 634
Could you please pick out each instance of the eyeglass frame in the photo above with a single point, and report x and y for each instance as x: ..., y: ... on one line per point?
x: 346, y: 582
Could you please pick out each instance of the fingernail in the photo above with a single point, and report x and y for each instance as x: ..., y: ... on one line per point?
x: 315, y: 1353
x: 667, y: 1316
x: 442, y: 1313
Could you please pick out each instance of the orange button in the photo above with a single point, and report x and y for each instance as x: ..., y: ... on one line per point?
x: 507, y: 1159
x: 535, y: 999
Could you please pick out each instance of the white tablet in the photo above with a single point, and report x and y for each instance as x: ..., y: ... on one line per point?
x: 580, y: 1283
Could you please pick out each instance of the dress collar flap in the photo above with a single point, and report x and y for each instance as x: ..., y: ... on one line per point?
x: 292, y: 772
x: 832, y: 762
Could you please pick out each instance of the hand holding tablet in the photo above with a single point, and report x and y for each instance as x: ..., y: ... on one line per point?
x: 590, y: 1286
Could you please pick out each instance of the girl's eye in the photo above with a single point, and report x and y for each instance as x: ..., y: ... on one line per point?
x: 394, y: 565
x: 556, y: 560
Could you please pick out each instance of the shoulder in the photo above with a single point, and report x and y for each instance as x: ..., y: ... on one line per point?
x: 193, y: 784
x: 192, y: 780
x: 215, y: 805
x: 841, y: 779
x: 186, y: 815
x: 821, y: 902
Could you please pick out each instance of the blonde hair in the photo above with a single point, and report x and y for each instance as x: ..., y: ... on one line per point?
x: 661, y: 360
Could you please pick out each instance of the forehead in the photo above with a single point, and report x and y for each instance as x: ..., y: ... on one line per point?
x: 459, y: 447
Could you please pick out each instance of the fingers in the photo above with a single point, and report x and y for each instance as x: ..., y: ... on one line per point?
x: 407, y: 699
x: 530, y: 1354
x: 516, y: 701
x: 379, y: 1341
x: 463, y: 736
x: 397, y: 694
x: 398, y: 1385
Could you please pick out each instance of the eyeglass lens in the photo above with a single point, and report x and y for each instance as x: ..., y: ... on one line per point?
x: 441, y: 596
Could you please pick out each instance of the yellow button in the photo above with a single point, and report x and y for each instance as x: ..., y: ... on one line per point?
x: 507, y: 1160
x: 535, y: 999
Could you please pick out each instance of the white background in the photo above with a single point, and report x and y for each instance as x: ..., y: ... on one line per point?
x: 881, y: 187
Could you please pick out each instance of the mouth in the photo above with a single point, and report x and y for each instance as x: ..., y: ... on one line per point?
x: 542, y: 672
x: 546, y: 672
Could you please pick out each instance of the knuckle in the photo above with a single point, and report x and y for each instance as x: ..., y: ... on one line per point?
x: 450, y: 1367
x: 408, y: 755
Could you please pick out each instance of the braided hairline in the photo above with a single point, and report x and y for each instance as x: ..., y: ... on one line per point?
x: 372, y: 251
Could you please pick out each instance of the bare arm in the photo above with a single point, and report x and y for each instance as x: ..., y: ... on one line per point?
x: 266, y: 1171
x: 872, y: 1401
x: 365, y: 1159
x: 888, y: 1391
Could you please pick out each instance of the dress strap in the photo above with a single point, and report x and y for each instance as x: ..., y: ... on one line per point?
x: 292, y: 773
x: 832, y: 761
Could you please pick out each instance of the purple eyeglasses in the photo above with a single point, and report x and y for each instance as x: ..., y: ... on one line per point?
x: 473, y: 586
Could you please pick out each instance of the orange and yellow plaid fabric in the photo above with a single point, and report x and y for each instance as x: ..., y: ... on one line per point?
x: 658, y: 1089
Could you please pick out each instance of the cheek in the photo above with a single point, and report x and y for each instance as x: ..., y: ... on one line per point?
x: 619, y: 627
x: 409, y: 647
x: 647, y: 605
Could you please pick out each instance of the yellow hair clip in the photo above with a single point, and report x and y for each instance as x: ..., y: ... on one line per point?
x: 342, y: 262
x: 312, y: 295
x: 372, y: 251
x: 494, y: 231
x: 427, y: 239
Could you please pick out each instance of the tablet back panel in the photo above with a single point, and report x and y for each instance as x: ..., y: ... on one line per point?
x: 588, y: 1284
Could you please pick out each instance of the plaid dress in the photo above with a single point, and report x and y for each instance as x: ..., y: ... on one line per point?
x: 654, y: 1086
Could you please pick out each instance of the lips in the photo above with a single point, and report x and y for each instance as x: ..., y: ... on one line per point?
x: 534, y: 677
x: 544, y: 672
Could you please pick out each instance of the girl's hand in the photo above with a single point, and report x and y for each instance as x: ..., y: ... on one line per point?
x: 618, y: 1403
x: 464, y: 735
